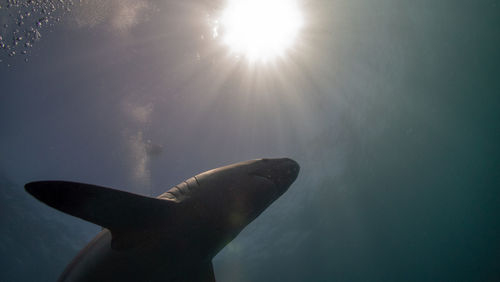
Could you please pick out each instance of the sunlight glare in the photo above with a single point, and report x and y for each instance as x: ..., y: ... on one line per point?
x: 260, y: 30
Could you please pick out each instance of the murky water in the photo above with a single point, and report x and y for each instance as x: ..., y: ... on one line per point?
x: 390, y: 107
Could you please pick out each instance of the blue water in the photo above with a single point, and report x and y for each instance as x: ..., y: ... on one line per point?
x: 392, y: 109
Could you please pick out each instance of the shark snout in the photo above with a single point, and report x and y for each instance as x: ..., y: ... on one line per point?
x: 290, y: 170
x: 282, y: 172
x: 293, y: 166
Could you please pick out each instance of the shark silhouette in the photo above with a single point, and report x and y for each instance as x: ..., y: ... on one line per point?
x: 172, y: 237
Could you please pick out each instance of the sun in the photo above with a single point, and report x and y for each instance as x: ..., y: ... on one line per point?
x: 260, y: 30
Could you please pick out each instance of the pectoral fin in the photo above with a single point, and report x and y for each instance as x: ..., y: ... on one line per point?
x: 116, y: 210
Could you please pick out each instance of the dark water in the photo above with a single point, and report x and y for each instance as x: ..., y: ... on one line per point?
x: 392, y: 108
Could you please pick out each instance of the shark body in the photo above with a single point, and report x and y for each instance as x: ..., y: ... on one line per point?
x: 172, y: 237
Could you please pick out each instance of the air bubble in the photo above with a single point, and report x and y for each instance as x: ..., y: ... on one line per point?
x: 38, y: 35
x: 24, y: 20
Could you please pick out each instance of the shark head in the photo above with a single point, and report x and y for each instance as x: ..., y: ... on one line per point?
x: 274, y: 175
x: 230, y: 197
x: 281, y: 172
x: 250, y: 187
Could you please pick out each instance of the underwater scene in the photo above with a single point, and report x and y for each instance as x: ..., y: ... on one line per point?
x: 249, y: 141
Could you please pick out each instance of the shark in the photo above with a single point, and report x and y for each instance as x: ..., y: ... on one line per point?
x: 172, y: 237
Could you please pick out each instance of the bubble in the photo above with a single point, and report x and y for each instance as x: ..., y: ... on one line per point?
x: 38, y: 35
x: 42, y: 20
x: 24, y: 21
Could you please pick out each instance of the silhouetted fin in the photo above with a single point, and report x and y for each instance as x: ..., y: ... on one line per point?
x: 116, y: 210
